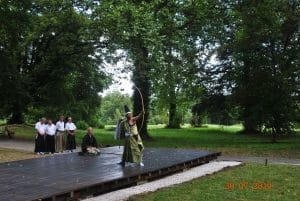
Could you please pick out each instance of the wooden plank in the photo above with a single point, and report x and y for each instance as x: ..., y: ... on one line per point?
x: 57, y: 175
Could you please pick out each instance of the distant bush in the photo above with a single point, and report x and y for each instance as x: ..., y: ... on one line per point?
x: 82, y: 125
x: 96, y: 123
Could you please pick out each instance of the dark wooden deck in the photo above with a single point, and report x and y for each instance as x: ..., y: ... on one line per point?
x: 70, y: 176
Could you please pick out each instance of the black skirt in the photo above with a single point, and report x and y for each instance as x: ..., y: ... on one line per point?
x: 71, y: 144
x: 40, y: 143
x: 50, y: 143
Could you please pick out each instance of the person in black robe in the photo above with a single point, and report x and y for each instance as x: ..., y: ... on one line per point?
x: 88, y: 141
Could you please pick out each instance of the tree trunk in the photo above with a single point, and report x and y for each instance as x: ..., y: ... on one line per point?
x: 141, y: 80
x: 174, y: 122
x: 16, y: 117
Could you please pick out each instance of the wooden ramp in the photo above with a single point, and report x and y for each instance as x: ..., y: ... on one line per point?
x: 70, y: 176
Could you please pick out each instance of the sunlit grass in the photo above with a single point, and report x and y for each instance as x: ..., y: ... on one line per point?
x: 272, y: 182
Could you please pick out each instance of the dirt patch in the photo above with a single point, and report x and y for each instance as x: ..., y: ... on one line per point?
x: 7, y: 155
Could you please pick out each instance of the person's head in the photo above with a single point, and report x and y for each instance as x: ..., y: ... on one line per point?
x: 43, y: 120
x: 128, y: 115
x: 61, y: 118
x: 69, y: 119
x: 49, y: 121
x: 90, y: 130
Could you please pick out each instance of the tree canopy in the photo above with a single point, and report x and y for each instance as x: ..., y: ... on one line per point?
x: 232, y: 60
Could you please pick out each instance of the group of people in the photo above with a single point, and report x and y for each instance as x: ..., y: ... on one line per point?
x: 50, y: 138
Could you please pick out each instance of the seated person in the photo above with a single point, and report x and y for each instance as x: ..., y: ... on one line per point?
x: 89, y: 143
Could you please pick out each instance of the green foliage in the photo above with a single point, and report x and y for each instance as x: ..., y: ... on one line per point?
x: 96, y: 123
x: 81, y: 124
x: 219, y: 109
x: 112, y: 107
x: 262, y: 63
x: 49, y: 60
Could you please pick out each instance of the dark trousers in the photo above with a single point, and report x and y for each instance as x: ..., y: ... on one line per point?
x: 40, y: 143
x: 71, y: 144
x: 50, y: 143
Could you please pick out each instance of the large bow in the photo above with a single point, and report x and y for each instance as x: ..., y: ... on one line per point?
x: 142, y: 101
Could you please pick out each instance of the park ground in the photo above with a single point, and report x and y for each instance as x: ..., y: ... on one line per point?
x: 251, y: 181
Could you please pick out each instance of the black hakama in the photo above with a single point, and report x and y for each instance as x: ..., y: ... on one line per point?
x: 50, y: 143
x: 40, y: 144
x: 71, y: 143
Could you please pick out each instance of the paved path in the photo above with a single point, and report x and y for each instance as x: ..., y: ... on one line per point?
x: 17, y: 144
x: 20, y: 145
x: 29, y: 146
x: 268, y: 160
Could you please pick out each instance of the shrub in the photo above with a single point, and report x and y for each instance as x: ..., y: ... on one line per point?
x: 96, y: 123
x: 82, y: 125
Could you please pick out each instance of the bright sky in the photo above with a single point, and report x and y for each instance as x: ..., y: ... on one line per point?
x: 123, y: 85
x: 121, y: 80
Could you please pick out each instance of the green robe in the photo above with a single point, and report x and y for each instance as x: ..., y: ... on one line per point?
x: 133, y: 145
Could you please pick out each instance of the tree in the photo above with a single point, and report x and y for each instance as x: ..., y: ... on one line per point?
x: 112, y: 107
x: 129, y: 25
x: 15, y: 28
x: 56, y: 61
x: 264, y: 60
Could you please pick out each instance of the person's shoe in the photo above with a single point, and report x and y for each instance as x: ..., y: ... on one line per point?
x: 38, y: 153
x: 142, y: 164
x: 42, y: 153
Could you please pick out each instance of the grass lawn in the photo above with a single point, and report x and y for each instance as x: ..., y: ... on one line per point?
x: 250, y: 182
x: 212, y: 137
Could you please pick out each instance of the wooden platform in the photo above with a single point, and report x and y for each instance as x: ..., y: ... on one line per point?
x: 70, y: 176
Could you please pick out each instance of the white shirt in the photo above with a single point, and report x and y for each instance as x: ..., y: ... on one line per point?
x: 70, y: 126
x: 60, y: 125
x: 51, y: 129
x: 40, y: 128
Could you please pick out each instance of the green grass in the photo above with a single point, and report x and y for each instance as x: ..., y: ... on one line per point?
x: 283, y: 178
x: 226, y: 139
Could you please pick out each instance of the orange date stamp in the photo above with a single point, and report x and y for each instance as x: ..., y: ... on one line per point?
x: 245, y: 185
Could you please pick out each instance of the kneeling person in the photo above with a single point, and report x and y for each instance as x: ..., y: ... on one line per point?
x: 89, y: 143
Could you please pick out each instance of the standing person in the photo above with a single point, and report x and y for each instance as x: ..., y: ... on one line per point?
x: 70, y: 128
x: 40, y: 128
x: 60, y: 135
x: 133, y: 145
x: 50, y: 134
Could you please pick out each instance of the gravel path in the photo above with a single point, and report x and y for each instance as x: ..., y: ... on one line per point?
x: 20, y: 145
x: 269, y: 160
x: 174, y: 179
x: 17, y: 144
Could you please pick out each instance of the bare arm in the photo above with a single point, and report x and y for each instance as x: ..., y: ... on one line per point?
x: 138, y: 116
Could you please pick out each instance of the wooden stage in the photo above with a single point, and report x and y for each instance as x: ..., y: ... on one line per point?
x: 70, y: 176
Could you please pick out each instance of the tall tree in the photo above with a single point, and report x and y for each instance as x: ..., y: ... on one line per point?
x: 59, y: 63
x: 15, y: 28
x: 129, y: 25
x: 264, y: 57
